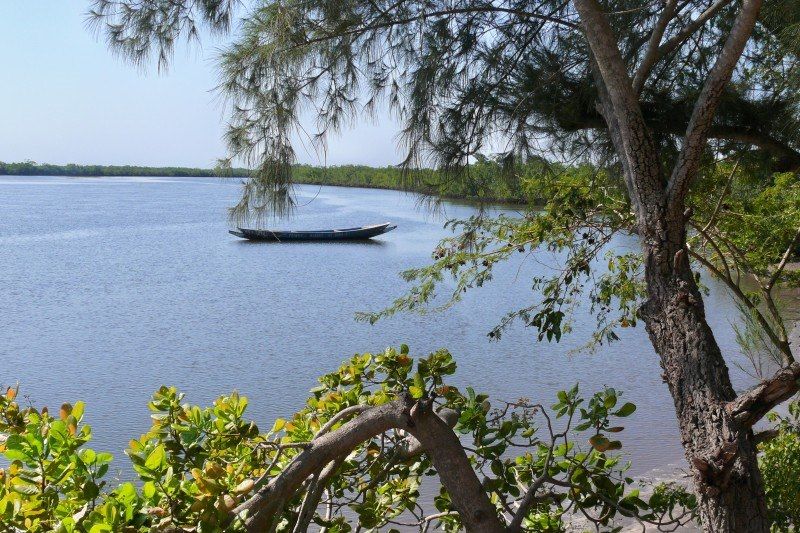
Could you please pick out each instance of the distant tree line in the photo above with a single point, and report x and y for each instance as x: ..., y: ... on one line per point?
x: 31, y: 168
x: 487, y: 179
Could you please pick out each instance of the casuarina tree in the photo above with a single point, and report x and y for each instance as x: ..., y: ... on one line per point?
x: 660, y: 92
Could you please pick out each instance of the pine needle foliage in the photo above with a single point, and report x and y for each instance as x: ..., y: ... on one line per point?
x: 464, y: 78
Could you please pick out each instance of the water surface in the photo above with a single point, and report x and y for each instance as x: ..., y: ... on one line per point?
x: 113, y: 287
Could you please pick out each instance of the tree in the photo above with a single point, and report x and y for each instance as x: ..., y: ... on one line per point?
x: 663, y: 90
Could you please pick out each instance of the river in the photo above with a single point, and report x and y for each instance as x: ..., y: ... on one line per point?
x: 114, y: 286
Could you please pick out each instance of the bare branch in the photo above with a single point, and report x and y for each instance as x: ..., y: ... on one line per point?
x: 691, y: 28
x: 722, y: 196
x: 751, y: 406
x: 749, y: 304
x: 765, y: 436
x: 338, y: 417
x: 706, y: 106
x: 434, y: 435
x: 652, y: 54
x: 785, y: 259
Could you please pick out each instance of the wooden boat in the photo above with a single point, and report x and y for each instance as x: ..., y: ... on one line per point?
x: 349, y: 234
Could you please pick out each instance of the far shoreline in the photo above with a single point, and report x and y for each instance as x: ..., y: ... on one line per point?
x: 358, y: 176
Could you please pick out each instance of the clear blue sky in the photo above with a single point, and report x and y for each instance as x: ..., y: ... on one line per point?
x: 64, y: 98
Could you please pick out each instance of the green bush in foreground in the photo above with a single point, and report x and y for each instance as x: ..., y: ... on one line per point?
x: 780, y: 466
x: 199, y: 469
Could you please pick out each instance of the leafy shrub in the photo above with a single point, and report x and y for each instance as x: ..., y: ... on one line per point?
x: 197, y: 466
x: 780, y: 467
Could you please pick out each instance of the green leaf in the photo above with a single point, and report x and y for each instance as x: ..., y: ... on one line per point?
x: 419, y: 381
x: 88, y: 456
x: 626, y: 410
x: 497, y: 467
x: 17, y: 455
x: 16, y: 449
x: 610, y: 400
x: 24, y: 489
x: 156, y: 458
x: 279, y: 424
x: 77, y: 410
x: 149, y: 489
x: 104, y: 457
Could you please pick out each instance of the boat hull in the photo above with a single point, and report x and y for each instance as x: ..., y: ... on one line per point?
x: 345, y: 234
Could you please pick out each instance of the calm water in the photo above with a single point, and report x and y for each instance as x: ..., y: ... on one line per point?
x: 113, y: 287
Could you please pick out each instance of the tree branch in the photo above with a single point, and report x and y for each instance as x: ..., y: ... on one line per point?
x: 435, y: 438
x: 314, y: 494
x: 706, y: 106
x: 266, y: 503
x: 455, y: 471
x: 725, y: 191
x: 638, y: 149
x: 341, y: 415
x: 530, y: 495
x: 785, y: 259
x: 652, y: 54
x: 789, y: 158
x: 690, y: 29
x: 765, y: 436
x: 669, y: 119
x: 751, y: 406
x: 748, y: 302
x: 435, y: 14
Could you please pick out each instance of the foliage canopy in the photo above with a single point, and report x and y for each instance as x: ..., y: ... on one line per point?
x: 466, y: 77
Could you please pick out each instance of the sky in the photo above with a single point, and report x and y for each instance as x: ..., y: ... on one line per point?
x: 64, y: 98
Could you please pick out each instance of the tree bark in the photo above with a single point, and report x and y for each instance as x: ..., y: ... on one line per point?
x: 431, y: 433
x: 721, y: 451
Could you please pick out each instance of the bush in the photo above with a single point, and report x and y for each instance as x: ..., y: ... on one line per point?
x: 780, y: 467
x: 201, y: 469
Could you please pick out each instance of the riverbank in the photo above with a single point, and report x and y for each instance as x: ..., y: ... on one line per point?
x: 485, y: 183
x: 31, y: 168
x: 453, y: 197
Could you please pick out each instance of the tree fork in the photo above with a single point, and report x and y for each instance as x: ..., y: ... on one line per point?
x: 434, y: 436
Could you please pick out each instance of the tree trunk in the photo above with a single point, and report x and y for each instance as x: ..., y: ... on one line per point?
x: 722, y: 457
x: 721, y: 452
